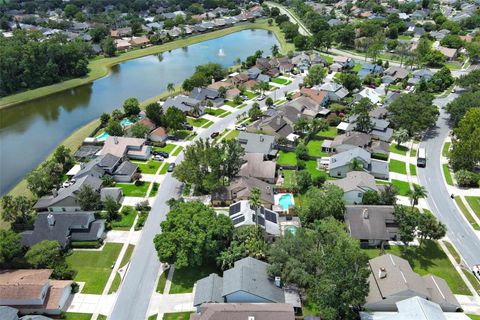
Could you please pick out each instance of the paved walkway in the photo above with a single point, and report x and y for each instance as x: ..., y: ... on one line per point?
x: 119, y: 236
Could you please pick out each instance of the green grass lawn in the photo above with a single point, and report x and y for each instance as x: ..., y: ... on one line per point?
x: 471, y: 278
x: 311, y: 166
x: 215, y: 111
x: 473, y: 316
x: 250, y: 94
x: 402, y: 186
x: 314, y: 148
x: 199, y: 122
x: 289, y: 179
x: 232, y: 135
x: 164, y: 169
x: 413, y: 169
x: 94, y: 267
x: 453, y: 251
x: 280, y: 81
x: 413, y: 152
x: 182, y: 134
x: 330, y: 133
x: 131, y: 190
x: 126, y: 258
x: 154, y: 190
x: 77, y: 316
x: 397, y: 166
x: 225, y: 114
x: 404, y: 37
x: 357, y: 67
x: 177, y: 316
x: 287, y: 158
x: 168, y: 148
x: 446, y: 148
x: 398, y: 149
x: 232, y: 104
x: 101, y: 317
x: 446, y: 173
x: 177, y: 151
x: 126, y: 218
x: 162, y: 281
x: 466, y: 213
x: 184, y: 279
x: 474, y: 203
x: 429, y: 259
x: 153, y: 317
x: 148, y: 167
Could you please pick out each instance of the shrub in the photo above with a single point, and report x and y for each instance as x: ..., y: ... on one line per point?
x: 318, y: 181
x: 467, y: 178
x: 380, y: 156
x: 75, y: 287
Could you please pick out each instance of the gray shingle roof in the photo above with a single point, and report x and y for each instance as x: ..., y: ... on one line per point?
x: 110, y: 192
x: 370, y: 222
x: 208, y: 290
x: 257, y: 143
x: 344, y: 158
x: 127, y: 168
x: 356, y: 180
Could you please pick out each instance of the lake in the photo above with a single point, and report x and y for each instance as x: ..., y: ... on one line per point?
x: 29, y: 132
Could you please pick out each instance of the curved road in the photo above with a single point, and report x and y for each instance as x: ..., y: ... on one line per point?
x: 459, y: 231
x: 138, y: 285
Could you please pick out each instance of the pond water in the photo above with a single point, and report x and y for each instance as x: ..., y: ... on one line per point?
x: 31, y: 131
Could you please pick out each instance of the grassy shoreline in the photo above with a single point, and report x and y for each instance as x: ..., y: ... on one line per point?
x: 100, y: 68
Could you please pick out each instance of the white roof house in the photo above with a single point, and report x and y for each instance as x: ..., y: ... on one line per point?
x: 242, y: 214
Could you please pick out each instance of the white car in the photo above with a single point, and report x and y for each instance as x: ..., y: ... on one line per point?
x: 240, y: 127
x: 260, y: 98
x: 157, y: 157
x: 476, y: 271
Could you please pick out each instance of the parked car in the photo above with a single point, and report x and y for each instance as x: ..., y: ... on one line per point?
x: 157, y: 157
x: 173, y: 138
x: 476, y: 271
x: 240, y: 127
x: 260, y: 98
x: 214, y: 134
x: 163, y: 154
x: 188, y: 126
x: 171, y: 167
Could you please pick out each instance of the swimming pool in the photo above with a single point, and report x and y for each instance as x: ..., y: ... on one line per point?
x: 126, y: 122
x: 292, y: 230
x: 103, y: 136
x: 285, y: 200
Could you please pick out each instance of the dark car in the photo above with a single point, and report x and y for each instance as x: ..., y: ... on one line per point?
x: 214, y: 134
x: 171, y: 167
x: 188, y: 126
x: 163, y: 154
x: 173, y: 138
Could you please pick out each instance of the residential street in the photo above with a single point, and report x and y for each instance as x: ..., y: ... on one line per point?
x: 459, y: 231
x: 138, y: 286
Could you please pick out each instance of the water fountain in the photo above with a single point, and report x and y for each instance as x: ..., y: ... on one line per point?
x: 221, y: 53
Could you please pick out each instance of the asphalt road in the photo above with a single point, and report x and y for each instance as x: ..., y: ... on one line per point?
x: 431, y: 177
x: 138, y: 285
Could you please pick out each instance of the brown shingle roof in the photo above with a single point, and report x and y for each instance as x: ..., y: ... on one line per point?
x: 242, y: 311
x: 23, y: 283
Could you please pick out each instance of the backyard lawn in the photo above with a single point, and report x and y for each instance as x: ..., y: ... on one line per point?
x: 413, y: 169
x: 446, y: 148
x: 184, y: 279
x: 398, y: 166
x: 402, y: 186
x: 287, y: 158
x: 398, y: 149
x: 289, y: 179
x: 131, y: 190
x: 330, y: 133
x: 126, y: 218
x: 311, y: 167
x: 446, y: 173
x: 474, y: 203
x: 199, y: 122
x: 428, y: 259
x: 148, y: 167
x: 94, y: 267
x: 466, y: 213
x: 168, y: 148
x: 314, y: 148
x: 177, y: 316
x: 281, y: 81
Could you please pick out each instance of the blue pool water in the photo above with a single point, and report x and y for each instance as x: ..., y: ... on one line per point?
x: 285, y: 201
x: 292, y: 230
x: 103, y: 136
x: 126, y: 122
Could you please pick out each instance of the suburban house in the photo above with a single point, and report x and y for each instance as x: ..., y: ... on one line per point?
x: 248, y: 311
x: 371, y: 225
x: 257, y: 143
x: 394, y: 74
x: 257, y: 166
x: 126, y: 147
x: 239, y: 189
x: 379, y: 131
x: 113, y: 192
x: 419, y: 75
x: 139, y: 41
x: 107, y: 164
x: 336, y: 92
x: 347, y: 141
x: 32, y: 292
x: 238, y: 78
x: 415, y: 308
x: 64, y: 227
x: 158, y: 135
x: 345, y: 62
x: 247, y: 282
x: 320, y: 97
x: 206, y: 96
x: 220, y: 84
x: 275, y: 125
x: 65, y: 199
x: 121, y: 32
x: 242, y: 214
x: 368, y: 93
x: 340, y: 164
x: 354, y: 186
x: 184, y: 104
x: 392, y: 280
x: 369, y: 68
x: 450, y: 53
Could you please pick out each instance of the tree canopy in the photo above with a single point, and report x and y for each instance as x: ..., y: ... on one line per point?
x: 465, y: 152
x: 192, y: 234
x: 320, y: 203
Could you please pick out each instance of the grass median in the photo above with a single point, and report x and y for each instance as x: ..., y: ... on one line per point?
x: 466, y: 213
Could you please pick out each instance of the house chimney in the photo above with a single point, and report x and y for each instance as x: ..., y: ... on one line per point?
x: 382, y: 273
x: 268, y: 189
x: 278, y: 121
x: 54, y: 192
x: 365, y: 213
x: 251, y: 318
x: 51, y: 220
x: 278, y: 282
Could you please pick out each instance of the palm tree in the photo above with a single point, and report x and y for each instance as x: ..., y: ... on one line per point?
x: 356, y: 165
x: 401, y: 136
x: 255, y: 202
x: 417, y: 193
x: 170, y: 87
x: 275, y: 50
x: 196, y: 110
